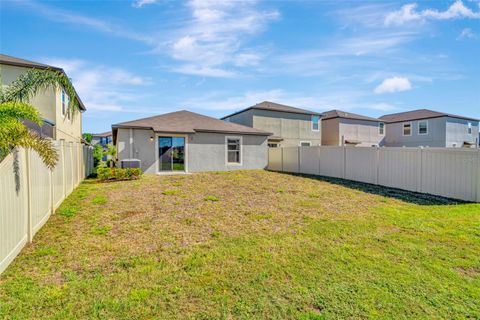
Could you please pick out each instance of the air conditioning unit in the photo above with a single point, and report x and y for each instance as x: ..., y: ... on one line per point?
x: 130, y: 163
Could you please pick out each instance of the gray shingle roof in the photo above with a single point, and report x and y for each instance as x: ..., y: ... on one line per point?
x: 13, y: 61
x: 419, y: 114
x: 346, y: 115
x: 272, y: 106
x: 188, y: 122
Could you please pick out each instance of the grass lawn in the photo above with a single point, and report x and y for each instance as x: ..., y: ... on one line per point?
x: 251, y: 244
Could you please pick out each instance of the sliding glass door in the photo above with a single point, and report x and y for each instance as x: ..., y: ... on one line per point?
x: 171, y: 153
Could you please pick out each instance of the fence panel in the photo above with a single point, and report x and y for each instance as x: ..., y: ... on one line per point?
x: 453, y: 173
x: 40, y: 191
x: 68, y: 168
x: 450, y: 173
x: 13, y: 207
x: 361, y: 164
x: 29, y: 192
x: 332, y: 162
x: 290, y: 159
x: 275, y: 159
x: 399, y: 168
x: 309, y: 160
x: 58, y: 176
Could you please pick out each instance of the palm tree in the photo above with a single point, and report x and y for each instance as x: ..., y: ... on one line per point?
x: 15, y: 108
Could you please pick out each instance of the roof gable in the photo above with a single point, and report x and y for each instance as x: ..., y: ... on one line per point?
x: 272, y: 106
x: 418, y: 115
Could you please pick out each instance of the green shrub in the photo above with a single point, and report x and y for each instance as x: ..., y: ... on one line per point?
x: 118, y: 173
x: 211, y: 198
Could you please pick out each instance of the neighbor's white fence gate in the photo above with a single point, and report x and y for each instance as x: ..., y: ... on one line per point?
x: 30, y: 192
x: 453, y: 173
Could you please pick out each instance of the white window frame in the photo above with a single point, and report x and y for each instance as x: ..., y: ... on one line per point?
x: 469, y: 128
x: 403, y: 129
x: 381, y: 128
x: 311, y: 119
x: 418, y: 129
x: 240, y: 138
x: 309, y: 143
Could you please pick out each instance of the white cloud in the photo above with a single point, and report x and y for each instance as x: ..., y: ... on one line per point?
x: 102, y: 88
x: 467, y: 33
x: 394, y: 84
x: 408, y: 13
x: 141, y: 3
x: 213, y: 42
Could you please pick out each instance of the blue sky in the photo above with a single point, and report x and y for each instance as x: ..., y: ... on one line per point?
x: 131, y: 59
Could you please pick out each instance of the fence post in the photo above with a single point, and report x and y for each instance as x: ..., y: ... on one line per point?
x: 29, y: 196
x: 281, y: 158
x: 377, y: 164
x: 344, y: 175
x: 64, y: 180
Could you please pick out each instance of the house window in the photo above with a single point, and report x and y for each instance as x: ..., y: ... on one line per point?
x: 315, y: 123
x: 381, y: 128
x: 469, y: 128
x: 423, y: 127
x: 234, y: 155
x: 273, y: 145
x: 305, y: 143
x: 407, y: 129
x: 64, y: 103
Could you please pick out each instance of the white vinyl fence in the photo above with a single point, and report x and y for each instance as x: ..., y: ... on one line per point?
x: 30, y: 192
x: 447, y: 172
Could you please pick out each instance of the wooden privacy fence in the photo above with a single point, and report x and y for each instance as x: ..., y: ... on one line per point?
x: 447, y: 172
x: 30, y: 192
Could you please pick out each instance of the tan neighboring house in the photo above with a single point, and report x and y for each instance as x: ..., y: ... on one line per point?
x: 52, y: 103
x: 290, y: 126
x: 345, y: 128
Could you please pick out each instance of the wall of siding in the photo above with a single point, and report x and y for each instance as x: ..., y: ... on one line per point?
x: 447, y: 172
x: 30, y: 192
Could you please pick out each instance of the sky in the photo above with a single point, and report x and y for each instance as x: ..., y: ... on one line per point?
x: 138, y: 58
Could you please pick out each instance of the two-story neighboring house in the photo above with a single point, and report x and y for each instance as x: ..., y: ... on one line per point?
x: 59, y: 124
x: 345, y: 128
x: 290, y: 126
x: 102, y: 138
x: 429, y: 128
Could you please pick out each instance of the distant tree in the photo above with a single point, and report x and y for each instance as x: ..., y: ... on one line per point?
x: 15, y: 107
x: 87, y: 137
x: 97, y: 154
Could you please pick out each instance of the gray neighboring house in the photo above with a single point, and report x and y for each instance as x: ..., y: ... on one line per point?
x: 102, y: 138
x: 290, y: 126
x: 429, y: 128
x: 184, y: 141
x: 345, y: 128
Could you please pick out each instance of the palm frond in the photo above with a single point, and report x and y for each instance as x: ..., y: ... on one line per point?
x: 44, y: 148
x: 20, y: 111
x: 27, y: 85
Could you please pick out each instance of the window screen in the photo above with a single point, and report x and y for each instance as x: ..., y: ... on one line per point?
x: 233, y: 150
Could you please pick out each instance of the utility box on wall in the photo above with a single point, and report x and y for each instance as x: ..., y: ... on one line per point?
x: 130, y: 163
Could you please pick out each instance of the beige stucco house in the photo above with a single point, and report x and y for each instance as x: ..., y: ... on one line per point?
x: 52, y: 103
x: 341, y: 128
x: 290, y: 126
